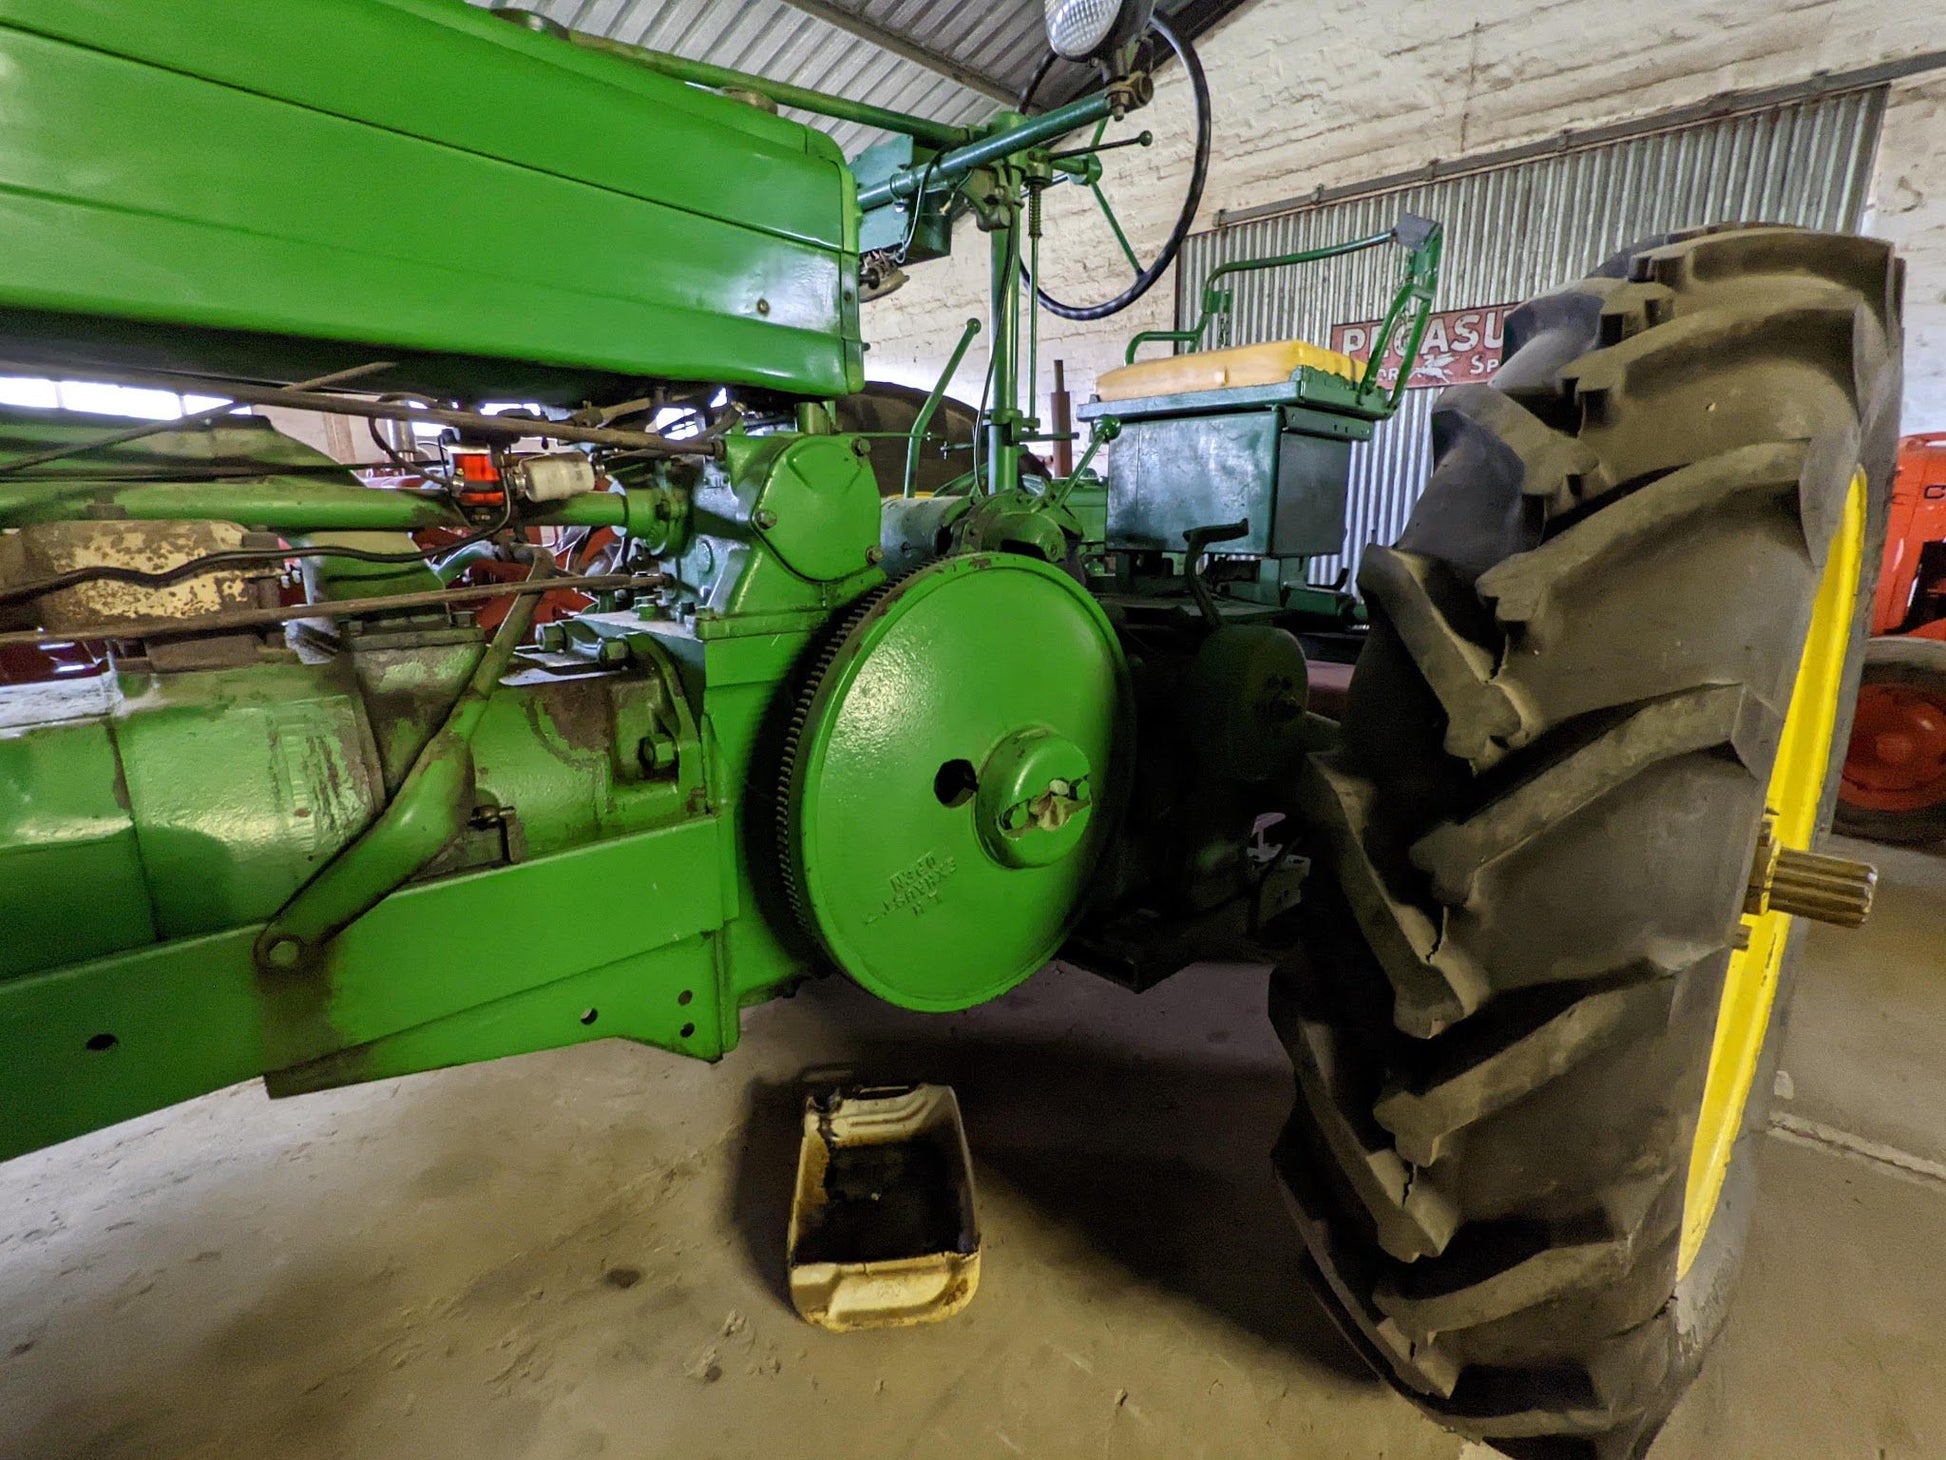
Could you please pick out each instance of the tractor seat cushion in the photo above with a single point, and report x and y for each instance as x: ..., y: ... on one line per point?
x: 1241, y: 365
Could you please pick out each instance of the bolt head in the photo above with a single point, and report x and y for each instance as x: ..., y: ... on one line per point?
x: 874, y: 554
x: 284, y: 954
x: 1895, y: 749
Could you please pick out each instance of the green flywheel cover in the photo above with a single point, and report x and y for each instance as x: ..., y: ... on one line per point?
x: 955, y: 765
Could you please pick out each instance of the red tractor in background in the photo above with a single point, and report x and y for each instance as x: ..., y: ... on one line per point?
x: 1894, y: 787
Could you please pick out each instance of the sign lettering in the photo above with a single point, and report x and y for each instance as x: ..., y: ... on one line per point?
x: 1461, y: 345
x: 916, y: 889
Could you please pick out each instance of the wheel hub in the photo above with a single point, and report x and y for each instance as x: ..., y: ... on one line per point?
x: 954, y: 766
x: 1034, y: 799
x: 1897, y: 760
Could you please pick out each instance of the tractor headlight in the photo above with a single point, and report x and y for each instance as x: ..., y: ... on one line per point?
x: 1082, y: 30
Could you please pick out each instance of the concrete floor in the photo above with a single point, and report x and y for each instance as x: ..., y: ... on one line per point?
x: 578, y: 1253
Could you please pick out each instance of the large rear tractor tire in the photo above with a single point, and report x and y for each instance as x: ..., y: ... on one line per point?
x: 1535, y: 1026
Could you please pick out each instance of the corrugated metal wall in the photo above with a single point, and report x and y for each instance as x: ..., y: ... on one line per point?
x: 1517, y: 231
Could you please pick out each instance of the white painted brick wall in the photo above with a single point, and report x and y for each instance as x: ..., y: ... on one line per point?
x: 1310, y: 95
x: 1908, y: 206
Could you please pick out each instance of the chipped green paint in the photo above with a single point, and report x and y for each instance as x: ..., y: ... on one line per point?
x: 678, y: 808
x: 595, y: 878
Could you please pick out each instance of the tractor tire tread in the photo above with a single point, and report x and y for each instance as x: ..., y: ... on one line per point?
x: 1533, y: 838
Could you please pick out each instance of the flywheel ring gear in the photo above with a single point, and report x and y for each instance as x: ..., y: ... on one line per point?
x: 954, y: 762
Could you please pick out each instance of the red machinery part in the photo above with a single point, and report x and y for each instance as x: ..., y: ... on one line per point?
x: 1894, y: 785
x: 1909, y: 587
x: 36, y: 663
x: 580, y: 554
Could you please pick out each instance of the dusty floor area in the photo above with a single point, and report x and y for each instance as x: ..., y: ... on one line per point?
x: 579, y: 1253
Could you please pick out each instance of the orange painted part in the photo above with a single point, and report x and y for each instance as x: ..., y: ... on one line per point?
x: 560, y: 603
x: 1897, y: 757
x: 1896, y: 761
x: 476, y: 466
x: 1918, y: 517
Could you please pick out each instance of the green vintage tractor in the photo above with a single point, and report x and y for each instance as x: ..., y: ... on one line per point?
x: 831, y: 698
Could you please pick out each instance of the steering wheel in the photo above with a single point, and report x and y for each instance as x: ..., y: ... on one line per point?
x: 1145, y: 277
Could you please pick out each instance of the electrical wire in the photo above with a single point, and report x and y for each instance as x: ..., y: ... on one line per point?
x: 918, y: 207
x: 721, y: 426
x: 1026, y: 102
x: 979, y: 423
x: 406, y: 464
x: 409, y: 465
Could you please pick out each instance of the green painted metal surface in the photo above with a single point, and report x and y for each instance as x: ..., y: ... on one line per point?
x: 64, y: 822
x: 154, y: 838
x: 151, y: 829
x: 469, y: 189
x: 93, y: 1043
x: 929, y: 234
x: 1260, y: 467
x: 1006, y: 137
x: 439, y: 794
x: 242, y: 786
x: 766, y: 540
x: 818, y: 504
x: 203, y: 801
x: 767, y: 764
x: 969, y: 699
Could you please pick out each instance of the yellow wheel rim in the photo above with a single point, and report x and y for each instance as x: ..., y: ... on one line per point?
x: 1796, y: 789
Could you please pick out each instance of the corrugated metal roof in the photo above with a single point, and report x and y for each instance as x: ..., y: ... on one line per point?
x: 993, y: 45
x: 773, y: 39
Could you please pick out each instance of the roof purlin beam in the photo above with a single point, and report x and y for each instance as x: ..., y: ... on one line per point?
x: 967, y: 76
